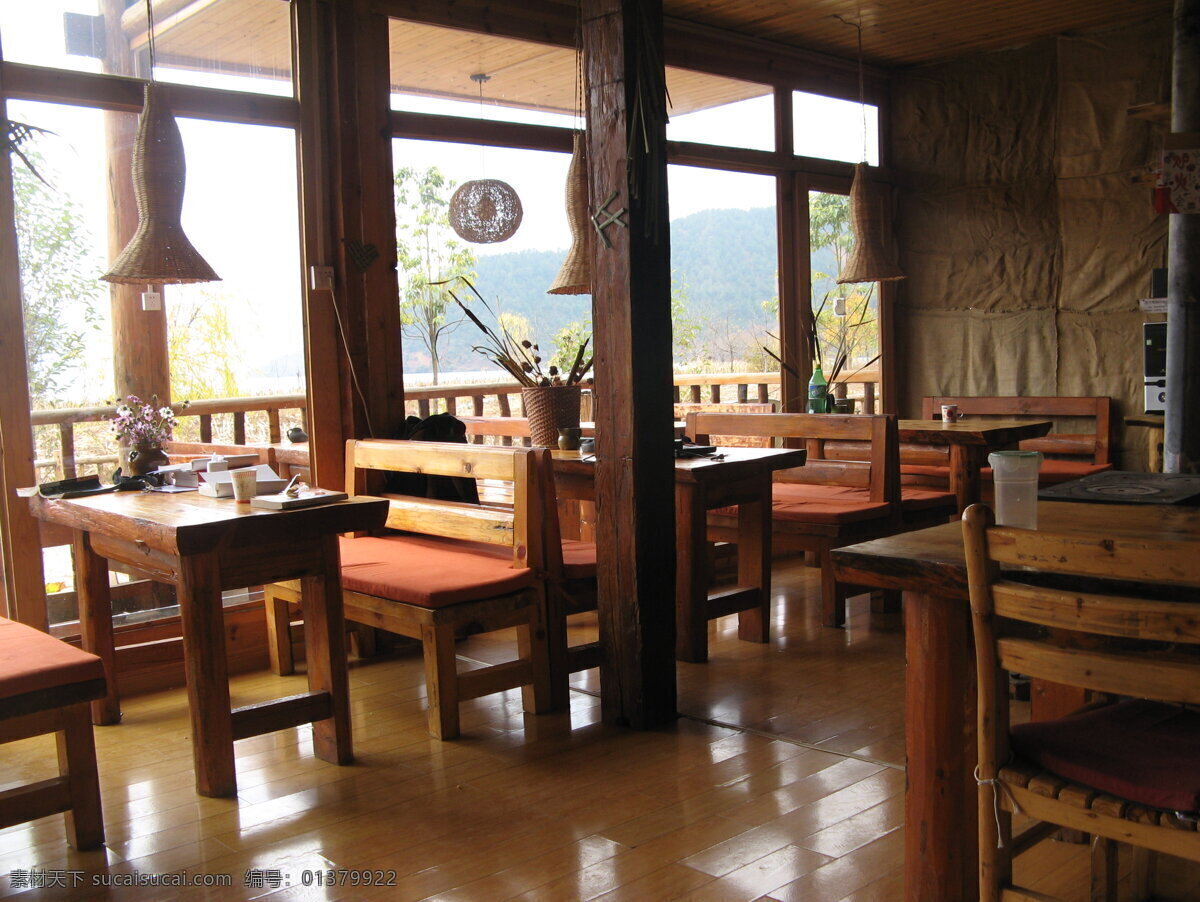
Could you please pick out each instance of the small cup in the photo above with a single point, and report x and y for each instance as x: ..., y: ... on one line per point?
x: 587, y: 446
x: 951, y: 413
x: 568, y: 438
x: 245, y: 484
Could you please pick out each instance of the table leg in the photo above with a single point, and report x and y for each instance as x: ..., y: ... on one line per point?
x: 754, y: 563
x: 965, y: 463
x: 95, y: 622
x: 940, y: 816
x: 691, y: 574
x: 325, y: 653
x: 206, y: 668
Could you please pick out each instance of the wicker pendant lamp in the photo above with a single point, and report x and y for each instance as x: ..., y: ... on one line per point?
x: 871, y: 259
x: 159, y: 252
x: 575, y: 275
x: 485, y: 211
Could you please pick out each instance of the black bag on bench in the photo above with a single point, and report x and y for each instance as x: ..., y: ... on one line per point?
x: 441, y: 427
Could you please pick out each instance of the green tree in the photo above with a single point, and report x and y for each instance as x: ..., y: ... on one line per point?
x: 60, y: 291
x: 567, y: 341
x: 685, y: 328
x: 202, y: 346
x: 428, y: 253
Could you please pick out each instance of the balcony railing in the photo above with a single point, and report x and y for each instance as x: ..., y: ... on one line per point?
x: 258, y: 420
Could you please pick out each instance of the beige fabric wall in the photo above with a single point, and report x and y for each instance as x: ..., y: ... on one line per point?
x: 1026, y: 243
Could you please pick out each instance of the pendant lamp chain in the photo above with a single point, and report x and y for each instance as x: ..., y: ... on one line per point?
x: 870, y: 260
x: 575, y: 274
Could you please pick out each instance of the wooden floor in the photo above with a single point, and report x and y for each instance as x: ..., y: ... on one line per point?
x: 783, y: 779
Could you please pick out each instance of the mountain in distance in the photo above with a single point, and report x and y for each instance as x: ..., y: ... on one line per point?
x: 723, y: 263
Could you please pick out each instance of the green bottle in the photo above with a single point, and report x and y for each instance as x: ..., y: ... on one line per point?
x: 818, y: 391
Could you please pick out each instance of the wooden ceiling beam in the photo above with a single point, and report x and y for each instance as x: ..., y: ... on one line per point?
x: 121, y: 94
x: 688, y: 45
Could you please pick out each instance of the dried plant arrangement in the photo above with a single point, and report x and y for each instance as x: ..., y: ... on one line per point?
x: 521, y: 359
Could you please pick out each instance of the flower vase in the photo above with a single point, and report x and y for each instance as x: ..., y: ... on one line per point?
x: 550, y: 408
x: 140, y: 458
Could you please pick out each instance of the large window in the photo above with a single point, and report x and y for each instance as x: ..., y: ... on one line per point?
x: 241, y: 336
x: 847, y: 316
x: 242, y: 45
x: 833, y: 129
x: 724, y: 270
x: 708, y: 109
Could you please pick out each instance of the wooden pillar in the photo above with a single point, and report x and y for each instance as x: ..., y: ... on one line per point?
x: 795, y: 287
x: 352, y: 324
x: 140, y: 362
x: 23, y: 595
x: 622, y: 43
x: 1181, y: 447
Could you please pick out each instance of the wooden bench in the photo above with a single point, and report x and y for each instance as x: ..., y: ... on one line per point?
x: 445, y: 568
x: 1067, y: 455
x: 829, y: 502
x: 45, y: 687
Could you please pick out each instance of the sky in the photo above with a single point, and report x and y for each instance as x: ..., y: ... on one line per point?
x: 240, y: 208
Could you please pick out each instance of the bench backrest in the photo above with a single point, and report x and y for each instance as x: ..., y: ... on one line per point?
x: 874, y: 464
x: 1095, y: 446
x: 519, y: 527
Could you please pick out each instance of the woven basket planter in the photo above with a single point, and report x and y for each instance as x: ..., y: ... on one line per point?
x: 548, y: 409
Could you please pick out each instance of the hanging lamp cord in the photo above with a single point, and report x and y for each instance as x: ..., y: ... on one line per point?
x: 862, y: 91
x: 150, y: 34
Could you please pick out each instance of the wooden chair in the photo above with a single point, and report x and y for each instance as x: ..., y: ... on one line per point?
x: 1067, y: 455
x: 45, y: 687
x: 828, y: 502
x: 445, y: 568
x: 1125, y: 771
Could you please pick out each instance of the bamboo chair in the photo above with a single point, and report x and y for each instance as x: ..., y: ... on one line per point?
x: 445, y: 568
x: 1123, y: 771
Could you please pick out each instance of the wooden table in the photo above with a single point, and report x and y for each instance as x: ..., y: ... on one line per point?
x: 203, y: 546
x: 743, y: 478
x: 970, y: 442
x: 940, y: 859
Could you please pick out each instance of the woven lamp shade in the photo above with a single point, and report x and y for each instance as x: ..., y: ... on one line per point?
x: 485, y: 211
x: 575, y: 275
x: 159, y: 251
x: 870, y: 260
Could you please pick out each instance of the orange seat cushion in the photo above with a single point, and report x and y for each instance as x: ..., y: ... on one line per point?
x: 821, y: 504
x: 915, y: 499
x: 32, y: 661
x: 1054, y: 472
x: 430, y: 572
x: 1051, y: 472
x: 579, y: 559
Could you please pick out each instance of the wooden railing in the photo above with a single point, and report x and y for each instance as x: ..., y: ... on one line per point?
x: 66, y: 462
x: 479, y: 399
x: 695, y: 388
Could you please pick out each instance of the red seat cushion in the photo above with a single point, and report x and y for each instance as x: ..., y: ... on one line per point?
x: 915, y: 499
x: 579, y: 559
x: 430, y: 572
x: 32, y: 661
x: 830, y: 504
x: 1143, y: 751
x: 1053, y: 472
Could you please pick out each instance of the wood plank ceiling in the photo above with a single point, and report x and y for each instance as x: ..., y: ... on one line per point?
x: 241, y: 36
